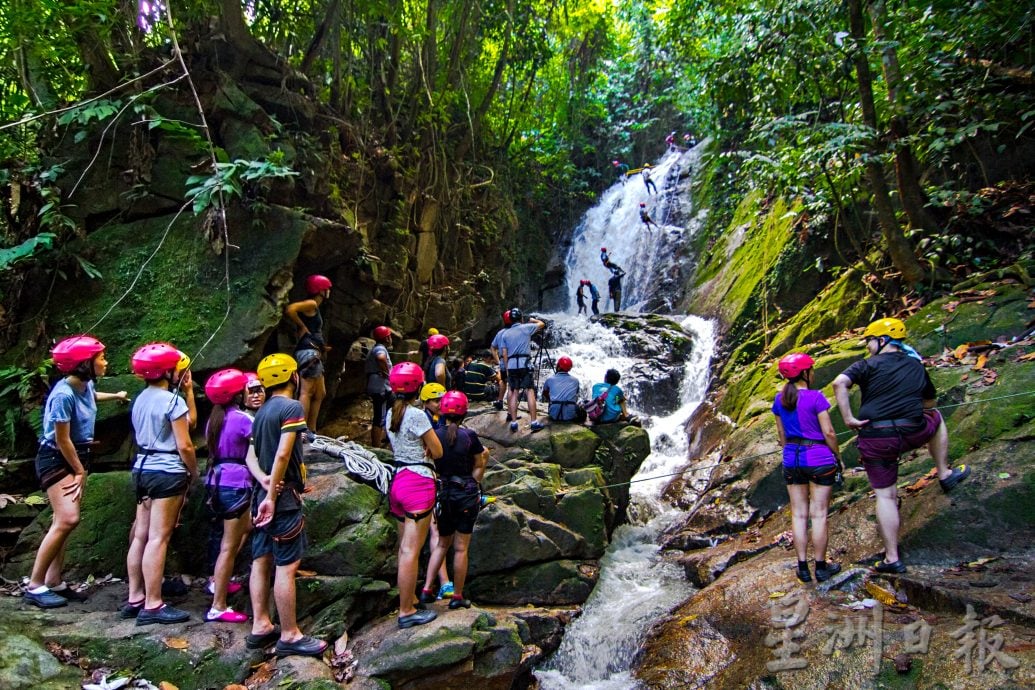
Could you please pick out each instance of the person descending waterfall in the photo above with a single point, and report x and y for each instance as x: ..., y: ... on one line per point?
x: 594, y: 295
x: 605, y: 258
x: 580, y: 296
x: 647, y: 182
x: 411, y: 498
x: 811, y: 459
x: 645, y: 217
x: 562, y: 392
x: 311, y: 347
x: 461, y: 469
x: 516, y: 348
x: 897, y: 416
x: 670, y: 140
x: 622, y: 169
x: 69, y: 418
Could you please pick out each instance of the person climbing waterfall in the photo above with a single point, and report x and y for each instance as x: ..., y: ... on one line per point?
x: 647, y: 182
x: 310, y: 348
x: 376, y: 367
x: 645, y: 217
x: 605, y: 258
x: 411, y: 498
x: 896, y: 415
x: 460, y: 470
x: 622, y: 169
x: 580, y: 297
x: 63, y: 459
x: 811, y: 460
x: 516, y: 348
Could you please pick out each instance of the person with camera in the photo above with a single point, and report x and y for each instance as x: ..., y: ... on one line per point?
x: 562, y: 392
x: 516, y: 355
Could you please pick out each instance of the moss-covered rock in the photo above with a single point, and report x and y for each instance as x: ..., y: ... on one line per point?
x: 572, y: 445
x: 546, y: 584
x: 25, y: 664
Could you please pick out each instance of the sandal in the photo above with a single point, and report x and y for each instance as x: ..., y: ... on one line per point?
x: 303, y: 646
x: 958, y: 475
x: 264, y: 640
x: 894, y: 567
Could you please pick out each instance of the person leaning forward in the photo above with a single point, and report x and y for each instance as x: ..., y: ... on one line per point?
x: 896, y: 415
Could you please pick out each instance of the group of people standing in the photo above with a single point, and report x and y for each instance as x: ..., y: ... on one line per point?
x: 896, y: 415
x: 614, y: 287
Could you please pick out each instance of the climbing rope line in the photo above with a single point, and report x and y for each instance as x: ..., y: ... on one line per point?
x: 758, y: 455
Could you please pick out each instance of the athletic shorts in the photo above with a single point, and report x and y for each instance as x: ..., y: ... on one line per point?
x: 51, y: 466
x: 377, y: 418
x: 458, y: 506
x: 880, y: 454
x: 159, y: 484
x: 310, y: 365
x: 227, y: 502
x: 284, y: 551
x: 823, y: 475
x: 503, y: 376
x: 520, y: 379
x: 411, y: 496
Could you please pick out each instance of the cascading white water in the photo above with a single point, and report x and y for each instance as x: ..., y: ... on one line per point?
x: 636, y: 586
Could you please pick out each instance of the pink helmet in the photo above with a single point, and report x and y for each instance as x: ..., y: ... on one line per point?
x: 437, y: 342
x: 406, y: 377
x: 453, y: 403
x: 151, y: 361
x: 382, y: 334
x: 71, y: 352
x: 315, y: 284
x: 251, y: 378
x: 223, y: 385
x: 614, y: 162
x: 564, y: 364
x: 603, y: 249
x: 642, y: 205
x: 791, y: 366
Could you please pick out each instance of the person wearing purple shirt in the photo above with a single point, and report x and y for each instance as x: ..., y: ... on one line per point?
x: 811, y: 459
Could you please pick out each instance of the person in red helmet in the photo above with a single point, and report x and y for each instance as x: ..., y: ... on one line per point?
x: 310, y: 348
x: 377, y: 366
x: 561, y: 391
x: 622, y: 169
x: 811, y: 458
x: 645, y: 217
x: 69, y: 417
x: 162, y: 470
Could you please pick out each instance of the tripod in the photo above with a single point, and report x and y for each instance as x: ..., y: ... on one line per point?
x: 541, y: 360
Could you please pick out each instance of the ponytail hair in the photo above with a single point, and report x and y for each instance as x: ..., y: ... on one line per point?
x: 214, y: 430
x: 452, y: 424
x: 789, y: 394
x: 399, y: 405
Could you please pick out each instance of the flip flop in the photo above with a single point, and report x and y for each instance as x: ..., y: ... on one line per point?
x: 262, y: 641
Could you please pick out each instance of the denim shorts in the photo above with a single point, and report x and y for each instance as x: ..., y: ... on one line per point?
x: 310, y: 364
x: 377, y: 418
x: 284, y: 551
x: 51, y: 466
x: 159, y: 485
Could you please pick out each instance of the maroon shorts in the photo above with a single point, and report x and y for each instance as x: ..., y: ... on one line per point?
x: 880, y: 454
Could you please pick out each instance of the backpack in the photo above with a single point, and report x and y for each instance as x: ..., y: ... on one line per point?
x: 595, y: 408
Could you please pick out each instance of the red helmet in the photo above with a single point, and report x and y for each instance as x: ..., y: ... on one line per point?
x: 642, y: 205
x: 151, y: 361
x: 222, y: 386
x: 792, y: 365
x: 382, y: 334
x: 406, y: 377
x: 437, y: 342
x: 603, y: 249
x: 564, y: 364
x: 453, y: 403
x: 315, y: 284
x: 71, y: 352
x: 506, y: 318
x: 614, y: 162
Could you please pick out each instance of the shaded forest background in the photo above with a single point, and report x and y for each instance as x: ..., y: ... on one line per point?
x: 437, y: 150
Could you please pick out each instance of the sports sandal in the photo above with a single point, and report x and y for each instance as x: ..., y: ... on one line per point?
x: 303, y: 646
x: 46, y: 599
x: 958, y: 475
x: 130, y: 609
x: 824, y: 574
x: 461, y: 603
x: 228, y: 616
x: 418, y: 618
x: 264, y: 640
x: 885, y: 567
x: 165, y: 614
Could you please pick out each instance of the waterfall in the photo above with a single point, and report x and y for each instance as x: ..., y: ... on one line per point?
x: 636, y: 585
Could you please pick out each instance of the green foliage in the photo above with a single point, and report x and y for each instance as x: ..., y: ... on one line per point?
x: 27, y: 249
x: 20, y: 400
x: 230, y: 179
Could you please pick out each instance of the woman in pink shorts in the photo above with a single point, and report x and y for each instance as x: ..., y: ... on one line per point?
x: 412, y: 495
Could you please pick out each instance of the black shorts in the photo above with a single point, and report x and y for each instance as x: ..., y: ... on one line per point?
x: 823, y: 475
x: 520, y: 379
x: 503, y: 375
x: 51, y: 466
x: 377, y: 418
x: 159, y: 484
x: 459, y: 500
x: 284, y: 538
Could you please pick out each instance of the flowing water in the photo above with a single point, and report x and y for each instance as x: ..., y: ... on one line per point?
x: 636, y: 585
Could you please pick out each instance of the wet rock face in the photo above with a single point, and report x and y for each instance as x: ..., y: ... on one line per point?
x: 663, y: 346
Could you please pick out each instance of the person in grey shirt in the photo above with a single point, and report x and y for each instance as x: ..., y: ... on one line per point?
x: 562, y: 392
x: 516, y: 353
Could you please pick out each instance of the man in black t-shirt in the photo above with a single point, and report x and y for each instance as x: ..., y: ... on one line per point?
x: 896, y: 415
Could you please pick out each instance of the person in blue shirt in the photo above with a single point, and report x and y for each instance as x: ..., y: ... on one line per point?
x: 562, y: 392
x: 614, y: 404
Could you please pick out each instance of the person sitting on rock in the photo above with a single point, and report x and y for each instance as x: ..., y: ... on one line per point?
x: 460, y: 469
x: 481, y: 381
x: 561, y: 391
x: 614, y: 403
x: 896, y: 415
x: 811, y: 459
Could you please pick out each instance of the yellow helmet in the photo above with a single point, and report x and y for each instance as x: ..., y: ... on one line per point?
x: 893, y: 328
x: 432, y: 331
x: 183, y: 364
x: 276, y: 368
x: 432, y: 391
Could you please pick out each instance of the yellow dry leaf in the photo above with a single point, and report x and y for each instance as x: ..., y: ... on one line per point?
x: 236, y: 686
x: 777, y: 595
x: 306, y: 573
x: 880, y: 594
x: 176, y: 643
x: 687, y: 619
x: 981, y: 561
x: 961, y: 351
x: 166, y: 685
x: 1023, y: 358
x: 980, y: 362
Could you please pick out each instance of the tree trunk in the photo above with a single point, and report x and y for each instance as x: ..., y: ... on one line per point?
x: 914, y: 200
x: 330, y: 19
x: 899, y: 248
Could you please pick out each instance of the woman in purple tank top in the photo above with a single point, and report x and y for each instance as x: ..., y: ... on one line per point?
x: 811, y: 461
